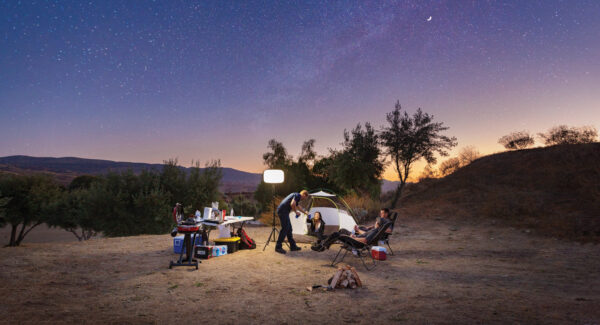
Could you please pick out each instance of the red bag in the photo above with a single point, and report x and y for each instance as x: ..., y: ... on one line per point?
x: 245, y: 241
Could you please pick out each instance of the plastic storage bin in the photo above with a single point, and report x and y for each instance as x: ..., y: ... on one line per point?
x: 232, y: 243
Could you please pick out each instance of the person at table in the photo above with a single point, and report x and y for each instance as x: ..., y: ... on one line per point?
x: 317, y: 226
x: 289, y: 204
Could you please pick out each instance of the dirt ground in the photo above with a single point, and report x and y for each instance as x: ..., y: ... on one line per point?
x: 442, y: 272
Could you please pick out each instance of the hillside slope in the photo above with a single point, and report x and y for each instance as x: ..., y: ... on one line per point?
x: 553, y: 190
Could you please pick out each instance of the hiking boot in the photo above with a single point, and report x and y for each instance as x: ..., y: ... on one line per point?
x: 280, y: 250
x: 294, y: 249
x: 317, y: 248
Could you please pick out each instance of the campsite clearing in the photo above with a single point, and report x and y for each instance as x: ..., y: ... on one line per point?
x: 443, y: 272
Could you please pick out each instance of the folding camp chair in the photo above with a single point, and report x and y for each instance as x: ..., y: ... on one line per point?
x: 359, y: 249
x: 386, y: 236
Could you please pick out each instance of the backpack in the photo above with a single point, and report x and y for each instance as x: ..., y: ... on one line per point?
x: 245, y: 241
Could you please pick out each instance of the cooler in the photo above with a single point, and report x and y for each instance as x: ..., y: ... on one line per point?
x: 379, y: 253
x: 178, y: 243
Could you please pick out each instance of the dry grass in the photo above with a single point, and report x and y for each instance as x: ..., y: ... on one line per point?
x: 554, y: 190
x: 365, y: 208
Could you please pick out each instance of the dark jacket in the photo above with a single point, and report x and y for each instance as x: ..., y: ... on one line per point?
x: 316, y: 232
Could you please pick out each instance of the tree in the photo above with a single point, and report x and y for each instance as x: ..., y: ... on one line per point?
x: 76, y: 215
x: 3, y: 202
x: 83, y: 182
x: 517, y: 140
x: 358, y: 166
x: 409, y: 139
x: 203, y: 184
x: 172, y: 180
x: 308, y: 154
x: 467, y: 155
x: 278, y: 157
x: 33, y: 201
x: 563, y: 134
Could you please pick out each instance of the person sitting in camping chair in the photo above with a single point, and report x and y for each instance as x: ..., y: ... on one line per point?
x: 384, y: 217
x: 362, y: 234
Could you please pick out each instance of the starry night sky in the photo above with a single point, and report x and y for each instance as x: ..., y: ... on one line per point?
x: 145, y: 81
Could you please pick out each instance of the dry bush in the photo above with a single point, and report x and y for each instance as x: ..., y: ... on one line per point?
x: 517, y: 140
x: 449, y: 166
x: 364, y: 207
x: 428, y: 173
x: 266, y: 217
x: 467, y: 155
x: 563, y: 134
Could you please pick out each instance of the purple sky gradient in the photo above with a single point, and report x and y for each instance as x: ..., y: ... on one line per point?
x: 145, y: 81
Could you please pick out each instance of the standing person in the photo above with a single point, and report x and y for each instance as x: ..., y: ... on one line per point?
x: 291, y: 202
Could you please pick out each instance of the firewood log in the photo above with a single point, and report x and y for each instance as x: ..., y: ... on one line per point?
x: 336, y: 279
x: 356, y: 278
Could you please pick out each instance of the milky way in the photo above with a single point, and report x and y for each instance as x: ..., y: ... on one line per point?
x: 150, y: 80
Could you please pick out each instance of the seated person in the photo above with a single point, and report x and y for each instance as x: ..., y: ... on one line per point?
x: 317, y: 226
x: 384, y: 217
x: 362, y: 234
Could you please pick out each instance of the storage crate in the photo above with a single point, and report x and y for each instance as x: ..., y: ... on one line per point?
x: 219, y: 250
x: 204, y: 252
x: 232, y: 243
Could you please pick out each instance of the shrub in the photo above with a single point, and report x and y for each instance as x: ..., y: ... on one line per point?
x: 449, y: 166
x: 563, y: 134
x: 517, y: 140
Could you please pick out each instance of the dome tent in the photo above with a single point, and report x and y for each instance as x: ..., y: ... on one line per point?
x: 335, y: 212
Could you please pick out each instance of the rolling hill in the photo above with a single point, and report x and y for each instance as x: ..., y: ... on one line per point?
x: 67, y: 168
x: 553, y: 190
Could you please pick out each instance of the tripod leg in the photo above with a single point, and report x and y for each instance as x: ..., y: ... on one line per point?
x: 271, y: 235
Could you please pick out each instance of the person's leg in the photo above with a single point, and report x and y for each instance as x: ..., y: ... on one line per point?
x: 283, y: 217
x: 288, y: 232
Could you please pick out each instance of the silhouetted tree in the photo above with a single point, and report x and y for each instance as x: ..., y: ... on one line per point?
x: 172, y: 180
x: 202, y: 185
x: 563, y: 134
x: 33, y: 200
x: 83, y: 182
x: 308, y: 154
x: 517, y: 140
x: 408, y: 139
x: 278, y: 157
x: 358, y: 166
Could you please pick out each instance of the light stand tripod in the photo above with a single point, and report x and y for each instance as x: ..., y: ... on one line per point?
x: 274, y: 231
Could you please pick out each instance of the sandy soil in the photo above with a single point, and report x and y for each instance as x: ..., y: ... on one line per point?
x: 442, y: 272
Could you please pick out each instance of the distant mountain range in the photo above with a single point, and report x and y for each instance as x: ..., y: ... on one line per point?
x: 67, y: 168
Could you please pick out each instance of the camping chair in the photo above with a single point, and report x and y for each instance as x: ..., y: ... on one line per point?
x: 386, y: 236
x: 362, y: 250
